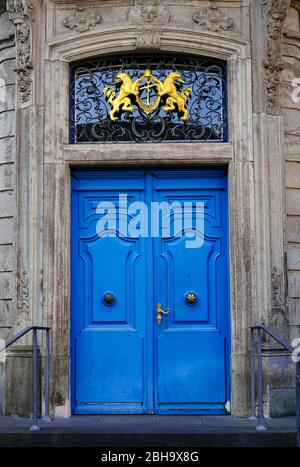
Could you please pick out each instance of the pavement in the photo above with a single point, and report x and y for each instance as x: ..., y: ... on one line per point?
x: 148, y: 431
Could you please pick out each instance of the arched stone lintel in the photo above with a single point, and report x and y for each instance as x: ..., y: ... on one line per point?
x: 69, y: 48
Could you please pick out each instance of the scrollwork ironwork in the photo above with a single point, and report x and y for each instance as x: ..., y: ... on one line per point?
x: 91, y: 107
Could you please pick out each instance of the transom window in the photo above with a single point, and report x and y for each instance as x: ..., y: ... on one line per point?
x: 148, y: 98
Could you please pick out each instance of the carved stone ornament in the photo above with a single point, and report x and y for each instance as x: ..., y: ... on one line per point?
x: 148, y: 11
x: 277, y: 300
x: 82, y: 20
x: 213, y: 19
x: 147, y: 39
x: 23, y: 293
x: 20, y: 12
x: 148, y: 16
x: 276, y: 12
x: 23, y: 297
x: 278, y: 319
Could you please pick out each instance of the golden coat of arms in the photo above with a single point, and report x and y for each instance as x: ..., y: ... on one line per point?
x: 147, y: 92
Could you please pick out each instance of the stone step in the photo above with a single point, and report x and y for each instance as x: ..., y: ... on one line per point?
x: 147, y: 431
x: 147, y: 440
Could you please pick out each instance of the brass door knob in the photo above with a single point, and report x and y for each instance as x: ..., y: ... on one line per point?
x: 109, y: 298
x: 191, y: 298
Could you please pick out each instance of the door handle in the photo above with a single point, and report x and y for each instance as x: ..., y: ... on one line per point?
x: 160, y: 312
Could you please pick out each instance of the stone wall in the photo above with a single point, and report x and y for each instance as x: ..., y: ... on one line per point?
x: 50, y: 34
x: 281, y: 370
x: 291, y: 115
x: 7, y: 178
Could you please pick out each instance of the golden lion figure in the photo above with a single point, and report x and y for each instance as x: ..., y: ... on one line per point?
x: 168, y: 88
x: 129, y: 89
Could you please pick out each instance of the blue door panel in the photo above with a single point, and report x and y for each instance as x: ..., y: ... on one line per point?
x: 108, y: 339
x: 190, y: 270
x: 121, y: 360
x: 191, y: 345
x: 102, y: 279
x: 104, y: 375
x: 195, y: 368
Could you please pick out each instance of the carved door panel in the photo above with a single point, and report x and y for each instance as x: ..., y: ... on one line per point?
x: 191, y: 281
x: 108, y: 300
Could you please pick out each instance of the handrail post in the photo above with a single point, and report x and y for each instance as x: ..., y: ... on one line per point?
x: 252, y: 376
x: 35, y: 378
x: 47, y: 418
x: 35, y: 426
x: 298, y: 402
x: 260, y: 427
x: 259, y: 328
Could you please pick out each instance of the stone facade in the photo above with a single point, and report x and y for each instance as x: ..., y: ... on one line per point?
x: 261, y: 41
x: 7, y: 181
x: 291, y: 116
x: 7, y: 173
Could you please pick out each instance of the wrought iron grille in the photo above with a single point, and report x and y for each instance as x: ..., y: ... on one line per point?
x: 148, y: 98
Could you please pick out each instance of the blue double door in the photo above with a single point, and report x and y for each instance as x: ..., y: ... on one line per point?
x: 149, y: 292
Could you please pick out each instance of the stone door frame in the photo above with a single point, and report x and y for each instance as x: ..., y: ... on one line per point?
x: 60, y: 156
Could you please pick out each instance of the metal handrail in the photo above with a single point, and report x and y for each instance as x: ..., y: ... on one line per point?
x: 35, y: 426
x: 259, y: 328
